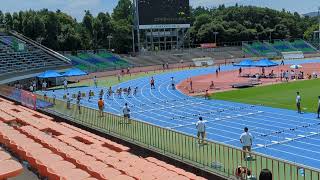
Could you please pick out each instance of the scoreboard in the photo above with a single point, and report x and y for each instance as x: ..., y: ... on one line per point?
x: 163, y: 13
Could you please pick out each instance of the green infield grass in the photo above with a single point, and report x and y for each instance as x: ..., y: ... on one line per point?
x: 278, y: 95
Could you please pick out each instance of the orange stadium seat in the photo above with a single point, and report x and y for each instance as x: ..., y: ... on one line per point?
x: 9, y: 169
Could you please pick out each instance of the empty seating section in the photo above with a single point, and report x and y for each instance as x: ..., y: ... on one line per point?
x: 303, y: 46
x: 62, y: 151
x: 263, y: 49
x: 98, y: 62
x: 32, y: 58
x: 175, y: 56
x: 283, y: 46
x: 278, y: 46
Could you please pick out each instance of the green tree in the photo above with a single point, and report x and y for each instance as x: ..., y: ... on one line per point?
x: 123, y: 10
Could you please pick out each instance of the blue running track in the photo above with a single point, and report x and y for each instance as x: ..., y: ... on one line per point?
x: 277, y: 132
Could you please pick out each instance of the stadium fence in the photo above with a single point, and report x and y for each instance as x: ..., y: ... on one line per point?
x: 214, y: 157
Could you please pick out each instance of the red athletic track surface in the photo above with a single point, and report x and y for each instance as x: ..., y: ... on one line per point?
x: 224, y: 80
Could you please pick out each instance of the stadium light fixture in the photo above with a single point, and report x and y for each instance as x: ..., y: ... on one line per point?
x: 215, y: 36
x: 109, y: 37
x: 270, y: 36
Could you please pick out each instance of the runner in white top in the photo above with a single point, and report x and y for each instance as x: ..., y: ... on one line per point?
x: 246, y: 141
x: 298, y: 102
x: 201, y: 127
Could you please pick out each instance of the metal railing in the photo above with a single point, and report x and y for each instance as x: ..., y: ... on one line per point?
x: 214, y: 157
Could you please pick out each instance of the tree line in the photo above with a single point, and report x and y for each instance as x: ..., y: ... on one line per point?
x: 61, y: 32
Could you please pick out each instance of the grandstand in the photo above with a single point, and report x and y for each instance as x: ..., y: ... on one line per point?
x: 20, y: 55
x: 58, y: 150
x: 275, y: 48
x: 175, y: 56
x: 100, y: 61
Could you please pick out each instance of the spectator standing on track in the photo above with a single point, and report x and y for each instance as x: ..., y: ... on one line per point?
x: 78, y: 102
x: 201, y: 128
x: 65, y: 85
x: 101, y: 107
x: 265, y: 174
x: 173, y: 83
x: 246, y: 141
x: 240, y: 71
x: 44, y: 85
x: 318, y: 107
x: 152, y: 83
x: 95, y: 82
x: 126, y: 112
x: 298, y: 102
x: 68, y: 101
x: 53, y: 97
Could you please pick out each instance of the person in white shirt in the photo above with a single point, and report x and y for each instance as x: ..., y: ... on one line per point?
x: 95, y: 81
x: 246, y: 141
x: 65, y: 84
x: 44, y: 86
x: 298, y: 102
x: 31, y: 88
x: 126, y: 112
x: 201, y: 127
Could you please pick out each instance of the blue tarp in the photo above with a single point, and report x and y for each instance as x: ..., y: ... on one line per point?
x: 74, y: 72
x: 49, y: 74
x: 265, y: 63
x: 245, y: 63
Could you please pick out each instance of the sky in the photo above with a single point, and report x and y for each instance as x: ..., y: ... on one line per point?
x: 76, y: 7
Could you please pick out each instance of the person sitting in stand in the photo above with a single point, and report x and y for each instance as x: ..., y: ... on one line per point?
x: 241, y: 172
